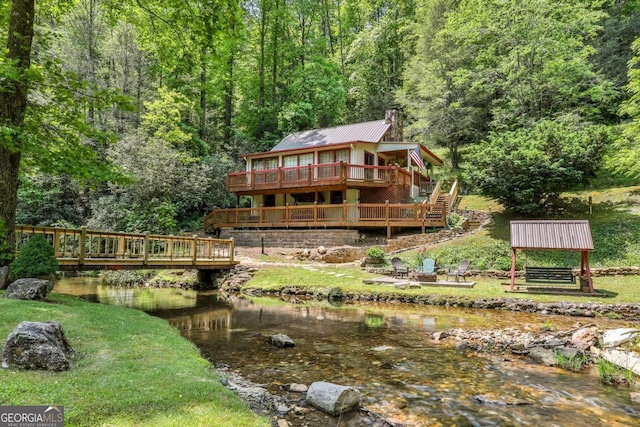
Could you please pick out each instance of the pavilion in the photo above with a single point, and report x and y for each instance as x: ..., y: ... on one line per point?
x: 569, y: 235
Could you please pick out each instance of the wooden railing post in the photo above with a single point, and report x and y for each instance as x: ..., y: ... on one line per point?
x: 236, y: 215
x: 310, y: 172
x: 280, y: 177
x: 344, y: 210
x: 343, y: 172
x: 83, y: 245
x: 195, y: 249
x: 260, y: 214
x: 170, y: 248
x: 286, y: 212
x: 145, y: 259
x: 56, y: 243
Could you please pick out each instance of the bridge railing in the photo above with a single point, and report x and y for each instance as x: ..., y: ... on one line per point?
x: 79, y: 246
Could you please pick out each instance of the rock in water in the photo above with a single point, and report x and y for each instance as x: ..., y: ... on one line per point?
x: 281, y: 340
x: 333, y: 398
x: 29, y: 289
x: 37, y: 345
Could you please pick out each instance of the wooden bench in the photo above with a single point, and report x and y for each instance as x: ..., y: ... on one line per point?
x: 549, y: 274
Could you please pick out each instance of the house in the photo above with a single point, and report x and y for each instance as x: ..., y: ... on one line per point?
x: 357, y: 175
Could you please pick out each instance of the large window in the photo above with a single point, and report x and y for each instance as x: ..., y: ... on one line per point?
x: 332, y: 157
x: 297, y: 161
x: 259, y: 165
x: 262, y: 164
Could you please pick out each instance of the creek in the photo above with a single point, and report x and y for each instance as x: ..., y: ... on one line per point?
x: 385, y: 351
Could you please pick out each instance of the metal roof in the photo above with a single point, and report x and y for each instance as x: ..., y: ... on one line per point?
x: 357, y: 132
x: 552, y: 234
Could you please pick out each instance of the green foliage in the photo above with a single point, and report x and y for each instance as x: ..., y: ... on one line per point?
x: 48, y: 201
x: 454, y: 220
x: 36, y: 258
x: 527, y: 169
x: 612, y: 374
x: 574, y: 363
x: 375, y: 253
x: 627, y: 154
x: 126, y: 277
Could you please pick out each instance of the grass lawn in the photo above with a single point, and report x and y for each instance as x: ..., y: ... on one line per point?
x: 130, y: 369
x: 625, y: 288
x: 615, y: 227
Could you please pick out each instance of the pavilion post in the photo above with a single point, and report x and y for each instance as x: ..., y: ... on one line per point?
x: 513, y: 268
x: 585, y: 268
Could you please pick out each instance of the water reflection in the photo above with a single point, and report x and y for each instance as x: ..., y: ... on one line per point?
x: 384, y: 350
x: 90, y: 289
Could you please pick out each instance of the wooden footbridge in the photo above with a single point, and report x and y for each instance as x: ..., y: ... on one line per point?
x: 80, y: 249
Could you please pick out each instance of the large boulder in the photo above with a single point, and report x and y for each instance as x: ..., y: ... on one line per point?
x: 29, y: 289
x: 332, y: 398
x: 37, y: 345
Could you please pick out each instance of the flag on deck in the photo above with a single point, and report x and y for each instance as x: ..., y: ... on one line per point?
x: 415, y: 156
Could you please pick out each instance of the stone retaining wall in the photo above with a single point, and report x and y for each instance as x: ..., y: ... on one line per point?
x: 292, y: 238
x: 586, y: 309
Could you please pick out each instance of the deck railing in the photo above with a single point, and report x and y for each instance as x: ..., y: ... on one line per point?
x: 83, y: 248
x: 320, y: 215
x: 317, y: 175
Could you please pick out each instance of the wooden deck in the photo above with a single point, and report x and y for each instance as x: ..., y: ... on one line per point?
x: 353, y: 215
x: 79, y: 249
x: 316, y: 176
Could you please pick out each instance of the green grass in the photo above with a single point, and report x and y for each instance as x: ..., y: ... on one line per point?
x: 131, y: 369
x: 623, y: 289
x: 611, y: 374
x: 615, y: 227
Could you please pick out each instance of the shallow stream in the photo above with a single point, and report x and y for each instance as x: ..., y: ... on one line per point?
x: 385, y: 351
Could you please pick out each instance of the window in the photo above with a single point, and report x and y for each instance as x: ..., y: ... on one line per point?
x: 261, y: 164
x: 334, y: 156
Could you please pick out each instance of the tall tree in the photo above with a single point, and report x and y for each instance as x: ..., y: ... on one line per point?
x: 13, y: 105
x: 626, y: 159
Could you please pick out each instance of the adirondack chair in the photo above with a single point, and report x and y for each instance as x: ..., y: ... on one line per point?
x: 458, y: 272
x: 398, y: 268
x: 428, y: 266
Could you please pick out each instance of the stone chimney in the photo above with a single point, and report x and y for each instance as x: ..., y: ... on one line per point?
x: 394, y: 118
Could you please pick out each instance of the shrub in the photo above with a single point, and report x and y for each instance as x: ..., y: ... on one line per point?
x: 36, y: 258
x: 375, y: 253
x: 454, y: 220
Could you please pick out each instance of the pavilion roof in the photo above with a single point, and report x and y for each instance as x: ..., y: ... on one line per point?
x: 552, y: 234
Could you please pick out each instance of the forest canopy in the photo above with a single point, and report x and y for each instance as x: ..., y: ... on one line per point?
x: 138, y: 109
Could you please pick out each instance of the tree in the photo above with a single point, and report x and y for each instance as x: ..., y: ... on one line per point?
x: 527, y: 169
x: 626, y: 160
x: 443, y: 105
x: 15, y: 64
x: 49, y: 132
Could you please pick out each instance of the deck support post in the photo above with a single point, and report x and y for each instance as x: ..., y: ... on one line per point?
x: 386, y: 216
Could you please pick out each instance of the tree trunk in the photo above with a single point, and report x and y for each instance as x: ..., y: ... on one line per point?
x: 228, y: 102
x: 202, y: 131
x: 13, y: 104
